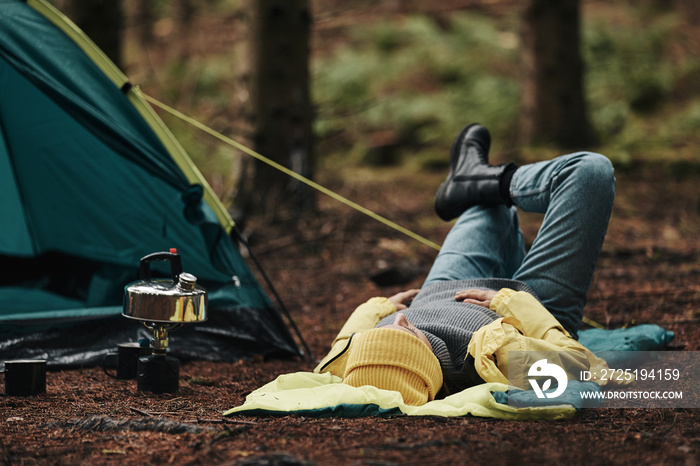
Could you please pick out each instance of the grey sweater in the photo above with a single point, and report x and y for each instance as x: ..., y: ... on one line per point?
x: 449, y: 324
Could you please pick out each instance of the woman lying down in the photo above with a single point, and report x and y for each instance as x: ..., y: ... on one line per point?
x: 484, y: 295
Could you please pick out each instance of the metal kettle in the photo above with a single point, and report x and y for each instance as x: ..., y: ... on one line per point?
x: 174, y: 301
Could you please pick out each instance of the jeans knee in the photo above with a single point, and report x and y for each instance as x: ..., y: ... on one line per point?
x: 602, y: 165
x: 597, y: 171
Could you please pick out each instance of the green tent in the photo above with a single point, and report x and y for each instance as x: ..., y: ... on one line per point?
x: 91, y: 180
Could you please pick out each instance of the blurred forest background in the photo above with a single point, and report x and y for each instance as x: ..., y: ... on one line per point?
x: 330, y: 87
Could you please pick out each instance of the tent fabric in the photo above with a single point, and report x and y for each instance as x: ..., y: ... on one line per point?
x: 324, y: 395
x: 91, y: 181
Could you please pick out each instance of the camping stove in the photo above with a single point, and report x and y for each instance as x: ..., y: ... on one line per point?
x: 162, y: 306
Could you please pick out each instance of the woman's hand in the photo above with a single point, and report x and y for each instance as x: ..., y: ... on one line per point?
x: 403, y: 299
x: 478, y: 297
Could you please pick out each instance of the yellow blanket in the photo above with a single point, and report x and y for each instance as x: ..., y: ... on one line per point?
x: 323, y: 395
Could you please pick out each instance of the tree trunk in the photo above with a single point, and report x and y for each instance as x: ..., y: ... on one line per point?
x: 144, y: 17
x: 279, y: 108
x: 102, y: 21
x: 553, y: 107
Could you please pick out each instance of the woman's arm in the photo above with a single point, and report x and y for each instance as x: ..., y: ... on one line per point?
x: 535, y: 319
x: 365, y: 317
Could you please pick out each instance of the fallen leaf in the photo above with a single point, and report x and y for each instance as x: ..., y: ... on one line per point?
x: 113, y: 452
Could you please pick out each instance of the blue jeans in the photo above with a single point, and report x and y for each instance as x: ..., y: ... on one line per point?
x: 575, y: 193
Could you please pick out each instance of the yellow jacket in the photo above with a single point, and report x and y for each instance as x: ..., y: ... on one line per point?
x: 365, y: 317
x: 525, y: 325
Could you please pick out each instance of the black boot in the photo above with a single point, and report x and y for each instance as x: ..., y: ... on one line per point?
x: 471, y: 180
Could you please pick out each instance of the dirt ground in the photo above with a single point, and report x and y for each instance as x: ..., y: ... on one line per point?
x: 649, y: 272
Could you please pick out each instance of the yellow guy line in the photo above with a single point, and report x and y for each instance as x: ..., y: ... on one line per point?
x: 305, y: 180
x: 592, y: 323
x: 291, y: 173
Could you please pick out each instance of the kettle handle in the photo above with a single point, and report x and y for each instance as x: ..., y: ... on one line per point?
x: 172, y: 257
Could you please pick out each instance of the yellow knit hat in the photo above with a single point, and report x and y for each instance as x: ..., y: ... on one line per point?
x: 392, y: 359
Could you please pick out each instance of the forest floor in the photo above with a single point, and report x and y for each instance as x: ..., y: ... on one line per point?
x: 649, y: 272
x: 322, y: 267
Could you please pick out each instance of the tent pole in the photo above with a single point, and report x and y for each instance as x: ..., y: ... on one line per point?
x: 308, y: 355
